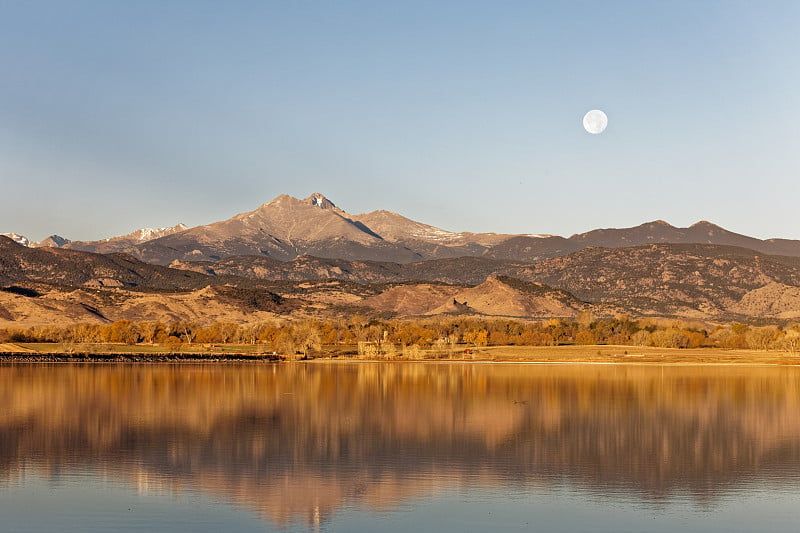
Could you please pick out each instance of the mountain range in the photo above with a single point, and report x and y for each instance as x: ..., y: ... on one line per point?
x: 288, y: 227
x: 308, y: 257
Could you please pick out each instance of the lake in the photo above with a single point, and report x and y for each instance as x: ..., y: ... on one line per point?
x: 397, y: 447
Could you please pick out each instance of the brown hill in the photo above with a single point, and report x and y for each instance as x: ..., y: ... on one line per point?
x: 692, y: 280
x: 298, y: 269
x: 774, y: 300
x: 502, y: 296
x: 460, y: 270
x: 531, y: 249
x: 19, y: 310
x: 53, y: 305
x: 702, y: 232
x: 75, y: 268
x: 511, y: 297
x: 413, y: 299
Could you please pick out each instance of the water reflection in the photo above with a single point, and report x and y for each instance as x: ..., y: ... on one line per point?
x: 299, y: 442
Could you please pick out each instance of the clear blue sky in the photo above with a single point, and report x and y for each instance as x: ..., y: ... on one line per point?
x: 465, y: 115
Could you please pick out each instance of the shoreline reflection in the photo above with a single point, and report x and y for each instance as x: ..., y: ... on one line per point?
x: 299, y: 442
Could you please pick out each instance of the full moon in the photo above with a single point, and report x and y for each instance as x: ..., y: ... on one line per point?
x: 595, y: 121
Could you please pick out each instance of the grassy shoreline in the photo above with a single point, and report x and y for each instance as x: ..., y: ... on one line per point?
x: 585, y: 354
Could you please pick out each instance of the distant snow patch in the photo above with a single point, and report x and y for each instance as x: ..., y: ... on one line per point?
x: 19, y: 239
x: 148, y: 234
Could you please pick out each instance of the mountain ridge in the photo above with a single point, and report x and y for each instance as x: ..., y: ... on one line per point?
x: 286, y: 228
x: 698, y: 281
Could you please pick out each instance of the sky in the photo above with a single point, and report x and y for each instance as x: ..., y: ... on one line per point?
x: 116, y: 115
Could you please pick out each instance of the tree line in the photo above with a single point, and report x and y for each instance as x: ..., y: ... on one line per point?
x: 377, y: 337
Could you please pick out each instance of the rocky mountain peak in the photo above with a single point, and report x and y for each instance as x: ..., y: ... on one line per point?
x: 320, y: 201
x: 53, y: 241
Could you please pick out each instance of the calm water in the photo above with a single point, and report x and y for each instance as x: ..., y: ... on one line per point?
x: 398, y: 447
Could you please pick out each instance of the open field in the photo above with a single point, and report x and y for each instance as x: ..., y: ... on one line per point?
x: 14, y: 348
x: 599, y: 354
x: 636, y: 354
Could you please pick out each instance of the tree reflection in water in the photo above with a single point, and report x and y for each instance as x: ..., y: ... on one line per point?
x: 299, y: 441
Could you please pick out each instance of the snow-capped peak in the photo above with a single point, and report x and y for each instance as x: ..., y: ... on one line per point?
x: 19, y: 239
x: 319, y: 200
x: 148, y: 234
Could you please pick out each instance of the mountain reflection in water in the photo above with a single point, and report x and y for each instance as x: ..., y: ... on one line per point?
x: 299, y: 441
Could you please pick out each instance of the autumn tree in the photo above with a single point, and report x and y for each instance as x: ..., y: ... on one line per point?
x: 478, y: 337
x: 307, y: 338
x: 149, y: 331
x: 123, y: 331
x: 185, y: 330
x: 760, y: 338
x: 791, y: 339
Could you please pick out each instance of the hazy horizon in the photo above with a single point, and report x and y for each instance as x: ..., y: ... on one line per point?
x: 465, y: 116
